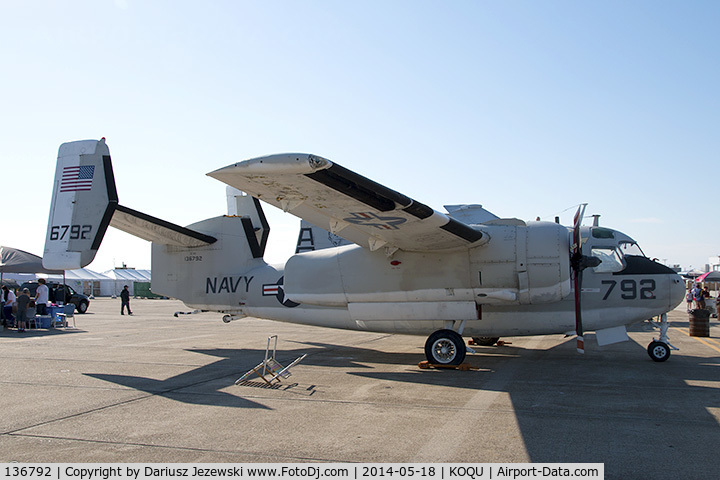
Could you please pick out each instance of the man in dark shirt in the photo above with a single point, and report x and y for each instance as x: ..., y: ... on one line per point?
x: 125, y: 301
x: 22, y: 306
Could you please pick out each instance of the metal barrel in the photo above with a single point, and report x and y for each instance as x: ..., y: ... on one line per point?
x: 699, y: 322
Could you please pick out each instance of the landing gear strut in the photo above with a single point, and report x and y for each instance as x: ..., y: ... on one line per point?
x: 445, y: 347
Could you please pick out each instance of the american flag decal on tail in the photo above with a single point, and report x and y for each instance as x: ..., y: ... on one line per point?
x: 77, y: 178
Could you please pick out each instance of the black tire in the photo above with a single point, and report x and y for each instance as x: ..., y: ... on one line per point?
x: 485, y: 341
x: 445, y: 347
x: 658, y: 351
x: 82, y: 307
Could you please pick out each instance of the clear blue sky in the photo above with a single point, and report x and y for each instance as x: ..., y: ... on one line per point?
x: 527, y: 107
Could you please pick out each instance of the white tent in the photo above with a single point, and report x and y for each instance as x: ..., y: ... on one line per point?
x: 85, y: 281
x: 118, y: 278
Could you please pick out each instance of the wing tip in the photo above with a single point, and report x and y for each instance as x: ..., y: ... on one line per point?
x: 281, y: 163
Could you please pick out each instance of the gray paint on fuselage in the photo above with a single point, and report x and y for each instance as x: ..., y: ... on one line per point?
x: 335, y: 278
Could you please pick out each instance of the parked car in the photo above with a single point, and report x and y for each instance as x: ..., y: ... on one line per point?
x: 80, y: 301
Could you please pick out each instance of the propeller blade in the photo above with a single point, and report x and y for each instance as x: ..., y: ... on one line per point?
x: 578, y: 312
x: 575, y: 261
x: 577, y: 223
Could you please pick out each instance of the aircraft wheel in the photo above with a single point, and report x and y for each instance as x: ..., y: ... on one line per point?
x: 445, y: 347
x: 658, y: 351
x: 485, y: 341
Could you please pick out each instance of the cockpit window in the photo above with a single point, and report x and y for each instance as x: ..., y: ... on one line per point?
x: 631, y: 248
x: 610, y: 259
x: 600, y: 232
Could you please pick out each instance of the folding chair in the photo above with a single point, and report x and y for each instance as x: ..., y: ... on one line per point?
x: 60, y: 319
x: 31, y: 318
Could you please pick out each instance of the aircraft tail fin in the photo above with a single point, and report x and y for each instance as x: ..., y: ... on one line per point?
x: 85, y: 203
x: 316, y: 238
x: 255, y: 225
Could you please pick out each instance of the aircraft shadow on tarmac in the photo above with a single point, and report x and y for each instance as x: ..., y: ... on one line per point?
x: 614, y: 405
x: 200, y: 386
x: 607, y: 405
x: 204, y: 385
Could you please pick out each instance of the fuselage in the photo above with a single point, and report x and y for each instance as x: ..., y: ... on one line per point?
x: 519, y: 283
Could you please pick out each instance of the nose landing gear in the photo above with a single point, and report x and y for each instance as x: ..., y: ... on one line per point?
x: 659, y: 349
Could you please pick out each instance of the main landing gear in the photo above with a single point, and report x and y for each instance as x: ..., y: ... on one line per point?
x: 445, y: 347
x: 485, y: 341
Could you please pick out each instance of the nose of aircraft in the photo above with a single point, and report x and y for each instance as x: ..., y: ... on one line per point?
x: 677, y: 290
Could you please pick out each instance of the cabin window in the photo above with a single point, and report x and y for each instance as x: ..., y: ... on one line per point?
x: 610, y: 259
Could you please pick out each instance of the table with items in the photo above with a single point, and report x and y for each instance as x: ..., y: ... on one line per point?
x: 51, y: 319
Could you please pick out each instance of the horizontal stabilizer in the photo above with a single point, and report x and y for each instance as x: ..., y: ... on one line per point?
x: 154, y: 229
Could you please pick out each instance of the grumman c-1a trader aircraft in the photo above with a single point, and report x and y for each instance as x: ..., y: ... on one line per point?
x: 406, y: 268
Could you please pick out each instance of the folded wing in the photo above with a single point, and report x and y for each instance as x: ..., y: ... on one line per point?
x: 347, y: 204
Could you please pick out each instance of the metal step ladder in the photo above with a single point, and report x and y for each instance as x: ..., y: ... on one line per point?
x: 270, y: 367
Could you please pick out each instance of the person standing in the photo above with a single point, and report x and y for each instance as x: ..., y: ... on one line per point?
x: 42, y: 296
x: 2, y: 307
x: 23, y: 300
x: 698, y: 297
x: 125, y: 301
x: 9, y: 297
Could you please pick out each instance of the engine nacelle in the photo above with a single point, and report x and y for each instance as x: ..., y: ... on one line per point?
x: 522, y: 264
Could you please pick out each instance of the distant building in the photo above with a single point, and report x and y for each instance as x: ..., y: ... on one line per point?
x: 714, y: 264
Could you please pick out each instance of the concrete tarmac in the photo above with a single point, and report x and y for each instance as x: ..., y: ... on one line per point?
x: 154, y: 388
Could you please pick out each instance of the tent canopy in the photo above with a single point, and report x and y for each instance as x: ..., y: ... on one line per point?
x: 129, y: 274
x: 13, y: 260
x: 83, y: 274
x: 709, y: 277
